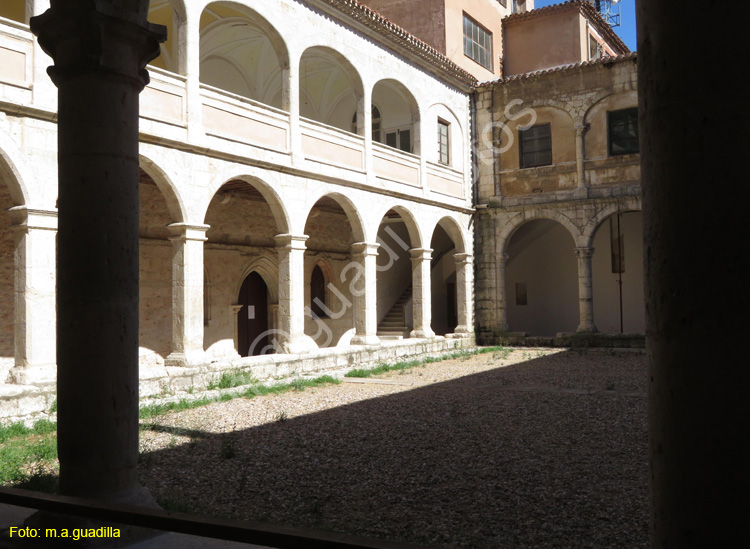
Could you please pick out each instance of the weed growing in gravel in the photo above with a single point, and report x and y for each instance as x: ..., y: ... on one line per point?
x: 228, y: 447
x: 174, y: 502
x: 282, y: 416
x: 383, y: 368
x: 234, y: 378
x: 610, y: 386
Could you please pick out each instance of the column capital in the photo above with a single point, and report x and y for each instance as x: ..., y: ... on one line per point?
x: 583, y: 253
x: 464, y: 259
x: 364, y: 249
x: 24, y: 218
x: 235, y: 309
x: 103, y: 36
x: 291, y: 241
x: 186, y: 231
x: 581, y: 128
x: 421, y: 254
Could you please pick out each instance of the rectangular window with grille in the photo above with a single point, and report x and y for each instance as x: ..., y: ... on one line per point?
x: 477, y: 43
x: 623, y: 131
x: 535, y: 146
x: 444, y: 142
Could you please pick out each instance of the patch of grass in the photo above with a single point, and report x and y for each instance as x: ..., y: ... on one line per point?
x: 53, y: 408
x: 383, y: 368
x: 282, y: 416
x: 154, y: 410
x: 174, y: 503
x: 235, y: 378
x: 28, y: 457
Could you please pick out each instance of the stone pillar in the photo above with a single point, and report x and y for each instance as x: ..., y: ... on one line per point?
x: 580, y: 137
x: 34, y: 234
x: 292, y: 336
x: 585, y: 291
x: 187, y: 295
x: 365, y: 296
x: 695, y: 200
x: 465, y: 293
x: 367, y: 132
x: 100, y: 50
x: 291, y: 98
x: 43, y: 90
x: 189, y: 59
x: 422, y: 292
x: 502, y: 293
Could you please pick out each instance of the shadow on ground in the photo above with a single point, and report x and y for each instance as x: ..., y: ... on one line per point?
x: 511, y: 457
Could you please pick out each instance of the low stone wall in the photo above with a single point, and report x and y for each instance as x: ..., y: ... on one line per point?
x: 570, y: 340
x: 29, y: 403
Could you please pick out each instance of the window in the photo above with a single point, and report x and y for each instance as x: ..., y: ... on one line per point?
x: 444, y: 154
x: 318, y: 293
x: 623, y: 131
x: 595, y: 48
x: 477, y: 43
x: 399, y: 139
x: 376, y: 121
x: 535, y: 146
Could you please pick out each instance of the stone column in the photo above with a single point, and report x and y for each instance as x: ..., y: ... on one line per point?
x: 100, y: 50
x: 502, y: 293
x: 34, y: 234
x: 365, y: 296
x: 585, y: 291
x: 464, y: 293
x: 695, y: 210
x: 187, y: 294
x: 422, y: 292
x: 189, y: 58
x: 292, y: 336
x: 580, y: 136
x: 291, y: 99
x: 43, y: 90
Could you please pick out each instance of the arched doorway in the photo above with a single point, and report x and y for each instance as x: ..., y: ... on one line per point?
x: 542, y: 279
x: 252, y: 318
x: 617, y: 267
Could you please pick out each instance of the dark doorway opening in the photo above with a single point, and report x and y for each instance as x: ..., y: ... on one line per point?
x: 252, y: 319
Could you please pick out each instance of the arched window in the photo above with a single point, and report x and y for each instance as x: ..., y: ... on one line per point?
x: 376, y: 124
x: 318, y: 292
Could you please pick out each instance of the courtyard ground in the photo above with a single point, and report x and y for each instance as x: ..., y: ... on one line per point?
x: 515, y: 448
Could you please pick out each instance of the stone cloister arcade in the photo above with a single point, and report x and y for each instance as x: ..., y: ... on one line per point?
x: 260, y: 166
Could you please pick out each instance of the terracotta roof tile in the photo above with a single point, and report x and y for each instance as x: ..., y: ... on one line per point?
x: 373, y: 20
x: 561, y: 68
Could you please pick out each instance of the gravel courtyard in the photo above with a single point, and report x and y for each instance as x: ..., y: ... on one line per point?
x: 526, y: 448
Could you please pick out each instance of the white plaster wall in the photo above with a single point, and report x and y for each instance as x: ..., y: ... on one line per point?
x: 606, y: 287
x: 542, y: 255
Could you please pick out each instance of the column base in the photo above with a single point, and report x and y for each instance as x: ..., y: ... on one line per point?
x: 365, y: 340
x: 422, y: 334
x: 299, y: 346
x: 186, y: 359
x: 587, y: 329
x: 581, y: 193
x: 461, y: 329
x: 39, y: 374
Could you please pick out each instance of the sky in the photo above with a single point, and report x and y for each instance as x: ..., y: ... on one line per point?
x: 626, y: 30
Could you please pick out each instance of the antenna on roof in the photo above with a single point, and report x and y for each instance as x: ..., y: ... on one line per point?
x: 609, y: 10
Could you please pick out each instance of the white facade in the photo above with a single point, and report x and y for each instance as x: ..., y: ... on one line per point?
x: 258, y: 156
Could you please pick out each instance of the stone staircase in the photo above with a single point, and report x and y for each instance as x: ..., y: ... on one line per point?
x: 393, y: 325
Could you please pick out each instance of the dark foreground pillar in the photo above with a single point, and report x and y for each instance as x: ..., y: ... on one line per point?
x: 694, y: 148
x: 100, y: 49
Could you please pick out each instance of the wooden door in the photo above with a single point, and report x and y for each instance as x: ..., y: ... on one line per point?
x: 252, y: 319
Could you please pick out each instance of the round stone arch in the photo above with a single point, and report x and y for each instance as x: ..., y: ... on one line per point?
x: 280, y: 215
x: 529, y: 215
x: 11, y: 172
x: 322, y: 53
x: 412, y: 227
x: 631, y: 204
x: 456, y: 139
x: 352, y: 214
x: 396, y: 87
x: 451, y: 226
x: 601, y: 96
x: 169, y: 191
